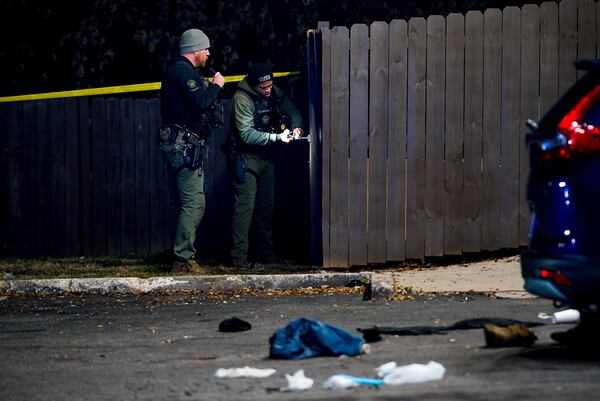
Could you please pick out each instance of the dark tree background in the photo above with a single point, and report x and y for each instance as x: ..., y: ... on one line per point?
x: 60, y: 45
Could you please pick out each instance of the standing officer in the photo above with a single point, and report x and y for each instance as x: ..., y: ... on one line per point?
x: 189, y: 111
x: 257, y: 110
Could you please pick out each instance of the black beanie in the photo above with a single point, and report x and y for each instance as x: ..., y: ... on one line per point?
x: 259, y: 73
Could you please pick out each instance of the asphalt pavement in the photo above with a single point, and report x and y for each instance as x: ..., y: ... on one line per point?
x: 498, y: 277
x: 168, y: 347
x: 158, y: 338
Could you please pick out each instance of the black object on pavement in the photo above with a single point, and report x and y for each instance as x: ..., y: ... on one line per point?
x: 374, y: 334
x: 234, y: 325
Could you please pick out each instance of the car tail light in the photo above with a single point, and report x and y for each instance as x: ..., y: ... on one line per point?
x: 557, y: 277
x: 575, y: 135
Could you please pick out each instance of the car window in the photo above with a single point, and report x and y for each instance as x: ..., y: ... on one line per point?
x: 593, y: 115
x: 566, y: 103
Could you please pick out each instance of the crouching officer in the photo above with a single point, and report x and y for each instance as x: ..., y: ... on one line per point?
x: 258, y: 109
x: 189, y: 110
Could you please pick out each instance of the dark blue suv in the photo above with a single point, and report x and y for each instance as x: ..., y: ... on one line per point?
x: 562, y: 261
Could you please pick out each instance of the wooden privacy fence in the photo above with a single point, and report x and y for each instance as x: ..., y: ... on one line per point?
x: 417, y: 147
x: 423, y: 123
x: 84, y: 176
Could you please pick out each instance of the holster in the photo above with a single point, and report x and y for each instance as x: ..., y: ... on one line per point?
x: 236, y: 164
x: 194, y: 148
x: 184, y: 140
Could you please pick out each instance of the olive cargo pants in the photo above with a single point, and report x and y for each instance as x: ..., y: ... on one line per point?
x: 188, y: 187
x: 253, y: 210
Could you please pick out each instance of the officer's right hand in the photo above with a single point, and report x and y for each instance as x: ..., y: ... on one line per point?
x: 218, y: 79
x: 285, y: 136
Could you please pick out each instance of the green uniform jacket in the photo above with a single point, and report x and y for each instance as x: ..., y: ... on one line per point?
x: 243, y: 112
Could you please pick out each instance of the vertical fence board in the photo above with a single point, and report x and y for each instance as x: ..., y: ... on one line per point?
x: 326, y: 145
x: 169, y: 217
x: 567, y: 44
x: 210, y: 164
x: 42, y: 167
x: 597, y: 36
x: 16, y: 183
x: 473, y: 135
x: 57, y: 171
x: 127, y: 137
x: 158, y: 180
x: 114, y: 211
x: 142, y: 177
x: 378, y: 133
x: 453, y: 181
x: 492, y: 90
x: 586, y: 31
x: 86, y: 177
x: 27, y: 234
x: 396, y: 164
x: 205, y: 242
x: 359, y: 132
x: 98, y: 168
x: 548, y: 55
x: 509, y: 150
x: 530, y: 85
x: 72, y: 176
x: 340, y: 109
x: 314, y: 60
x: 4, y: 179
x: 434, y: 137
x: 415, y: 192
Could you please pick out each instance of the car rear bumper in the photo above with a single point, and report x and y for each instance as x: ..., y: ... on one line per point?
x: 583, y: 273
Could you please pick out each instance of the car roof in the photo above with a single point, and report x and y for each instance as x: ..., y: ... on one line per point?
x: 592, y: 66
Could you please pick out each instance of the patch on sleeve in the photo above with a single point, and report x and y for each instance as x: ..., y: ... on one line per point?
x: 192, y: 85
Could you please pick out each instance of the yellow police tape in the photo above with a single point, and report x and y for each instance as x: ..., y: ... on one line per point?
x: 111, y: 90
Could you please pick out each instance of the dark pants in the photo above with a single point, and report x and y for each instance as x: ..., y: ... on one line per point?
x: 253, y: 210
x: 188, y: 188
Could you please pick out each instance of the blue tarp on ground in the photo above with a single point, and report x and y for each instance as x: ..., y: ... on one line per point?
x: 305, y: 338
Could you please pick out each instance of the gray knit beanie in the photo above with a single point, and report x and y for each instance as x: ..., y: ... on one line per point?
x: 193, y: 40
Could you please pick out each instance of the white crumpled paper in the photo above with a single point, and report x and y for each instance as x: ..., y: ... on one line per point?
x: 297, y: 381
x: 413, y: 373
x: 246, y: 371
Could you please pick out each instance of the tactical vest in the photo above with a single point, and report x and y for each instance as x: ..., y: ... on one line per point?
x: 267, y: 118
